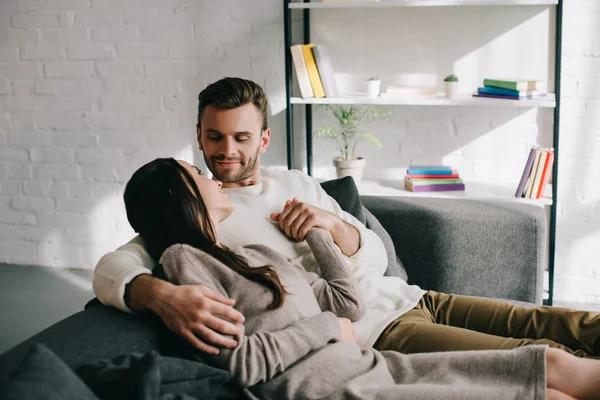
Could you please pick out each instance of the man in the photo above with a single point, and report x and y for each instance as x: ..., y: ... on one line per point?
x: 277, y: 209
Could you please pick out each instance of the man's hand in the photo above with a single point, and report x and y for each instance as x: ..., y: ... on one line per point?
x: 298, y: 218
x: 347, y: 330
x: 198, y: 314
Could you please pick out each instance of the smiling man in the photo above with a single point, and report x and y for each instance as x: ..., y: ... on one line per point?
x: 277, y: 209
x: 233, y: 156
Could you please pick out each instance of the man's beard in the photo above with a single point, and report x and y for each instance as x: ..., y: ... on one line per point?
x: 247, y: 167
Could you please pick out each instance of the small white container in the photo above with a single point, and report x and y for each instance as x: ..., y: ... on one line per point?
x: 451, y: 89
x: 373, y: 88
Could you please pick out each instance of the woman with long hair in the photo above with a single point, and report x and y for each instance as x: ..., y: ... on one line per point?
x: 298, y: 340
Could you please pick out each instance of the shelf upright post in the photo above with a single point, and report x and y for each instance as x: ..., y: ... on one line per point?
x: 308, y: 107
x: 554, y: 207
x: 289, y: 112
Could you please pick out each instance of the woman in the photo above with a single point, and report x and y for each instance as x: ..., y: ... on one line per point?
x: 298, y: 340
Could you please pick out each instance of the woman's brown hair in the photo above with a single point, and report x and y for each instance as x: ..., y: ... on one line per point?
x: 164, y: 206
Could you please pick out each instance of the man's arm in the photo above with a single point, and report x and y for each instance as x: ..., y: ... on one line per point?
x: 122, y: 279
x: 117, y: 269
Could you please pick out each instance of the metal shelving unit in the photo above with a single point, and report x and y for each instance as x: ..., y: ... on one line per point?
x: 551, y: 101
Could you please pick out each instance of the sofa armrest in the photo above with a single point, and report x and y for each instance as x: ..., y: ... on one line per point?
x: 96, y: 333
x: 479, y: 248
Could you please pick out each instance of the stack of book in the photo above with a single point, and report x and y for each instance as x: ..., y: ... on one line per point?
x: 394, y: 91
x: 432, y: 178
x: 511, y: 89
x: 313, y: 71
x: 536, y: 173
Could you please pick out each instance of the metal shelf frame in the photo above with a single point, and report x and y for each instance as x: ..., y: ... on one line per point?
x: 306, y: 6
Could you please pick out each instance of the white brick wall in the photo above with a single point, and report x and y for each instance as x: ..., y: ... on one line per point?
x: 91, y: 89
x: 578, y: 232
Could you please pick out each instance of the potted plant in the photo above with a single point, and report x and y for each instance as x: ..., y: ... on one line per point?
x: 373, y: 87
x: 346, y: 134
x: 451, y: 82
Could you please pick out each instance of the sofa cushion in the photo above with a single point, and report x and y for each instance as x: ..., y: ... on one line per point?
x: 43, y: 375
x: 344, y: 191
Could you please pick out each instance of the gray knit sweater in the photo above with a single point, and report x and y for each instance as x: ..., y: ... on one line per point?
x: 295, y: 351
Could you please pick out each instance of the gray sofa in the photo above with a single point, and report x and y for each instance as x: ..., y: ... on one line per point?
x: 490, y: 249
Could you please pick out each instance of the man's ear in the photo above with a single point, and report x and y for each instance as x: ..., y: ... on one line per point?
x: 198, y: 137
x: 265, y: 139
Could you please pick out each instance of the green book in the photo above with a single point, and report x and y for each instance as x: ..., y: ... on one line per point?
x: 514, y: 84
x: 427, y: 182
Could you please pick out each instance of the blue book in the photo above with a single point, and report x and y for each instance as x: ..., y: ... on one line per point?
x: 507, y: 92
x: 429, y: 170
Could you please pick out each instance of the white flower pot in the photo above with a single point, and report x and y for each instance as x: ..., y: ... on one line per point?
x: 373, y: 88
x: 353, y: 167
x: 451, y: 90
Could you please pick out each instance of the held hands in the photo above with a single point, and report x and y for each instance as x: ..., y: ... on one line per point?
x: 200, y: 315
x: 298, y: 218
x: 347, y: 330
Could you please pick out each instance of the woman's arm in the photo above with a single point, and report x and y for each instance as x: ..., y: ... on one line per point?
x: 336, y: 289
x: 262, y: 355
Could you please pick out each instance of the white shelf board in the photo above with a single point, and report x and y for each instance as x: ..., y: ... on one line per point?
x: 421, y: 3
x: 473, y: 191
x: 463, y: 100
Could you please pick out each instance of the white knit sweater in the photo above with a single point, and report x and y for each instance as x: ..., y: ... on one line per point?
x: 386, y: 298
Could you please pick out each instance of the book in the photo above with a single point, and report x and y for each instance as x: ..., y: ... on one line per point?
x: 526, y: 172
x: 528, y: 189
x: 325, y: 70
x: 349, y: 1
x: 454, y: 175
x: 538, y: 174
x: 425, y: 182
x: 429, y: 170
x: 313, y: 71
x: 546, y: 174
x: 398, y: 91
x: 434, y: 188
x: 508, y: 92
x: 514, y: 84
x: 301, y: 71
x: 497, y: 96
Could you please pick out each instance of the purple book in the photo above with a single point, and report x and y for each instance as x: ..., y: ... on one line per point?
x: 526, y: 173
x: 438, y: 188
x: 497, y: 96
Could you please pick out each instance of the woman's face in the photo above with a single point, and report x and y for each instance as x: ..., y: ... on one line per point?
x: 217, y: 202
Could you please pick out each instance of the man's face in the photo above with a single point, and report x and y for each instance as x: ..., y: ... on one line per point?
x: 232, y: 142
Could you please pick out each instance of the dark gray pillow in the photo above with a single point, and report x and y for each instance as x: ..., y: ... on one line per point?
x: 394, y: 268
x: 43, y: 375
x: 345, y: 192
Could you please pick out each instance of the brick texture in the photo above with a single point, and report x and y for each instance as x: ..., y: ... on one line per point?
x: 91, y: 89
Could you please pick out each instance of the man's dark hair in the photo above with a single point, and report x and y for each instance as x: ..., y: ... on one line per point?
x: 229, y: 93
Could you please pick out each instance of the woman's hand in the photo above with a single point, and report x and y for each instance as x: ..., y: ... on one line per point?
x: 347, y: 330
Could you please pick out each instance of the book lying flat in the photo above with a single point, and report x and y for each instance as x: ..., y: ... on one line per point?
x: 496, y: 96
x: 508, y: 92
x: 429, y: 170
x: 454, y: 175
x: 515, y: 83
x: 425, y: 182
x: 435, y: 188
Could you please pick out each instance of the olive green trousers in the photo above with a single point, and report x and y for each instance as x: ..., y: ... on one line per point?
x: 443, y: 322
